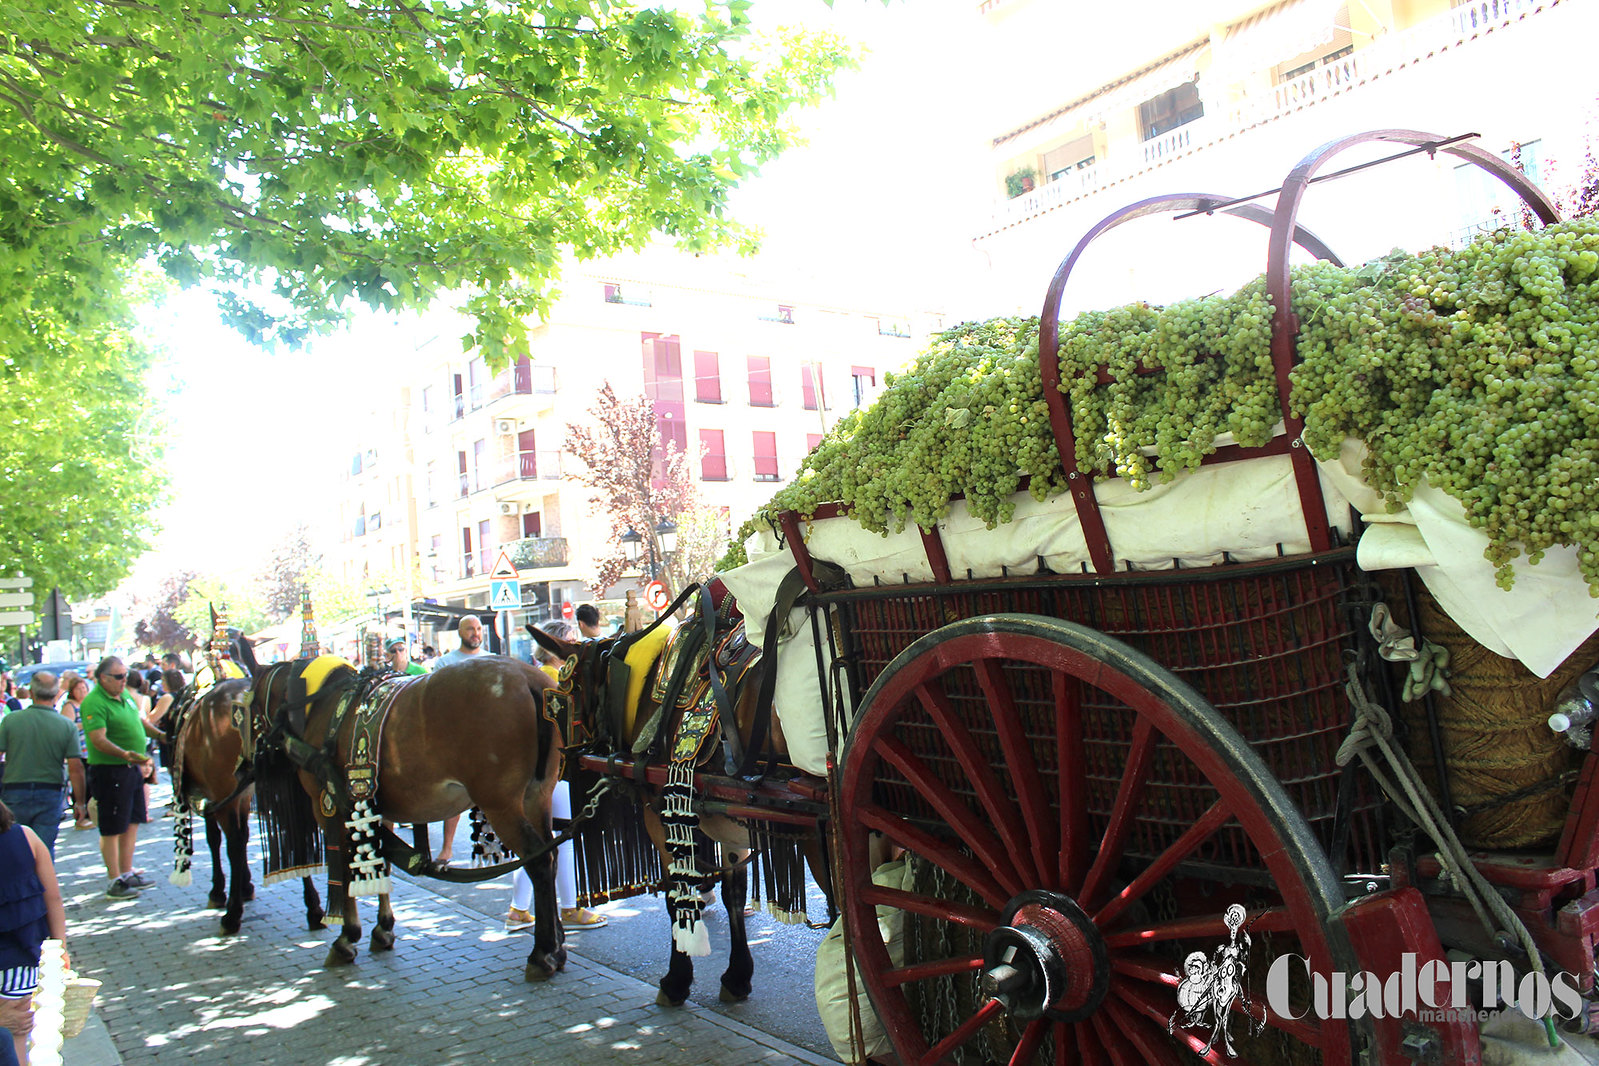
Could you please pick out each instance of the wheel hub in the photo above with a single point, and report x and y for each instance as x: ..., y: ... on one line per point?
x: 1045, y: 958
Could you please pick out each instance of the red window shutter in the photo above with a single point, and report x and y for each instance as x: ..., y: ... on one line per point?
x: 707, y: 378
x: 810, y: 376
x: 649, y: 341
x: 864, y: 372
x: 713, y: 466
x: 532, y: 525
x: 760, y: 381
x: 765, y: 455
x: 811, y: 441
x: 669, y: 371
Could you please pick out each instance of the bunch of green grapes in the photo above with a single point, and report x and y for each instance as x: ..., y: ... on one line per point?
x: 1476, y: 370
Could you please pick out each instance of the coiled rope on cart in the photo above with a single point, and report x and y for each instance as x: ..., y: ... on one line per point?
x: 1373, y: 728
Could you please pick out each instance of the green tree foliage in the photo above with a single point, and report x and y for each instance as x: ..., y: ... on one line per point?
x: 80, y: 448
x: 155, y: 624
x: 281, y: 576
x: 325, y: 150
x: 241, y: 603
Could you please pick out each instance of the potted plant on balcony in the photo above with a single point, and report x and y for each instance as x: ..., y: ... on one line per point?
x: 1020, y: 181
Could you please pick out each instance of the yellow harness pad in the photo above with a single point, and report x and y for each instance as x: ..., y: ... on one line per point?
x: 230, y: 671
x: 639, y: 658
x: 318, y: 669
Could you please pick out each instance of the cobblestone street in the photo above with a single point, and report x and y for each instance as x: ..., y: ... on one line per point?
x: 451, y: 991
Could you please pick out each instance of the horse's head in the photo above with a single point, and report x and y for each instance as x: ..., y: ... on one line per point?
x: 584, y: 670
x: 241, y: 649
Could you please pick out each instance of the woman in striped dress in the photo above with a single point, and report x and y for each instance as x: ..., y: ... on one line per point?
x: 30, y: 911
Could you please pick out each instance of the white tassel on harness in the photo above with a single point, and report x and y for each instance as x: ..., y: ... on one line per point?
x: 689, y: 934
x: 369, y: 872
x: 182, y: 849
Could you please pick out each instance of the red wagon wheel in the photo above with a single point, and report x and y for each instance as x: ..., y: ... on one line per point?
x: 1075, y: 823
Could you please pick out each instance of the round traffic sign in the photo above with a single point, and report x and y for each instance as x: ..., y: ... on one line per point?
x: 655, y: 596
x: 568, y: 612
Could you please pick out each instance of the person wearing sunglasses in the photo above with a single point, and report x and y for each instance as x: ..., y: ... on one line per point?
x: 117, y: 739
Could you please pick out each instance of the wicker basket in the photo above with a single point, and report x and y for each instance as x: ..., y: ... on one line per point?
x: 1496, y: 736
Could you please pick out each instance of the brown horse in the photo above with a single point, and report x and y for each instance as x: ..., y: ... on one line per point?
x: 207, y: 778
x: 587, y: 667
x: 464, y: 735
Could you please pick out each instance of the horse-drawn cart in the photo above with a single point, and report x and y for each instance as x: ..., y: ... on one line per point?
x: 1094, y: 805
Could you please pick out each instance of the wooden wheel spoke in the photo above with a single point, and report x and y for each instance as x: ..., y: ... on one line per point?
x: 996, y: 804
x: 972, y: 831
x: 1032, y: 1038
x: 1073, y: 771
x: 1066, y: 1046
x: 1305, y: 1030
x: 963, y: 1032
x: 1023, y: 766
x: 1273, y: 920
x: 940, y: 852
x: 930, y: 907
x: 937, y: 968
x: 1146, y: 1005
x: 1128, y: 794
x: 1202, y: 830
x: 1153, y: 1045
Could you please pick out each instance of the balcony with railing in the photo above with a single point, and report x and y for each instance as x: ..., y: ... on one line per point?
x: 523, y: 390
x: 1390, y: 52
x: 532, y: 553
x: 526, y: 476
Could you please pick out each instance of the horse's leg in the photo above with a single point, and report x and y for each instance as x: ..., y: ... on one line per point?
x: 679, y: 979
x: 313, y: 904
x: 219, y: 878
x: 674, y: 987
x: 343, y: 950
x: 740, y: 965
x: 548, y: 956
x: 234, y: 829
x: 383, y: 935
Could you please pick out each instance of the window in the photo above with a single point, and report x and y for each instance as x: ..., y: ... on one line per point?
x: 713, y: 465
x: 785, y: 314
x: 663, y: 384
x: 532, y: 525
x: 811, y: 441
x: 527, y: 455
x: 468, y: 560
x: 433, y: 483
x: 360, y: 523
x: 707, y: 378
x: 435, y: 548
x: 355, y: 465
x: 614, y: 294
x: 484, y: 562
x: 459, y: 392
x: 811, y: 386
x: 429, y: 408
x: 760, y: 381
x: 1483, y: 202
x: 464, y: 481
x: 1077, y: 154
x: 374, y: 522
x: 863, y: 383
x: 765, y: 455
x: 1173, y: 108
x: 477, y: 375
x: 480, y: 458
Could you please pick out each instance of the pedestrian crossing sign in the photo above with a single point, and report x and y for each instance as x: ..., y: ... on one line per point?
x: 505, y: 595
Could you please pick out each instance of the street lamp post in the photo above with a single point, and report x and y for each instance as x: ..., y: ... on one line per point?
x: 664, y: 532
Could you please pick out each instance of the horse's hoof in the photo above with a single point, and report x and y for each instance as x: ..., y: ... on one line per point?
x: 664, y: 1000
x: 231, y: 922
x: 313, y: 920
x: 536, y: 973
x: 249, y: 893
x: 727, y: 995
x: 382, y: 939
x: 340, y: 954
x: 216, y: 901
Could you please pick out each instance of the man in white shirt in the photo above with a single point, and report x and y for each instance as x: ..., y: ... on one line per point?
x: 471, y: 631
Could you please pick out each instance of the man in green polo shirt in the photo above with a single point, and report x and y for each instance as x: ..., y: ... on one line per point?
x: 399, y: 653
x: 116, y: 735
x: 38, y: 742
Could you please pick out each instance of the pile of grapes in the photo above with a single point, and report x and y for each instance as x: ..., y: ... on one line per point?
x: 1475, y: 369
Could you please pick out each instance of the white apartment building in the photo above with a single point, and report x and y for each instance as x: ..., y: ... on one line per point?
x: 458, y: 463
x: 1229, y: 100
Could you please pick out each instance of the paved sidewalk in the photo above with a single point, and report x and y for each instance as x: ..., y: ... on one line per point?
x: 451, y: 991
